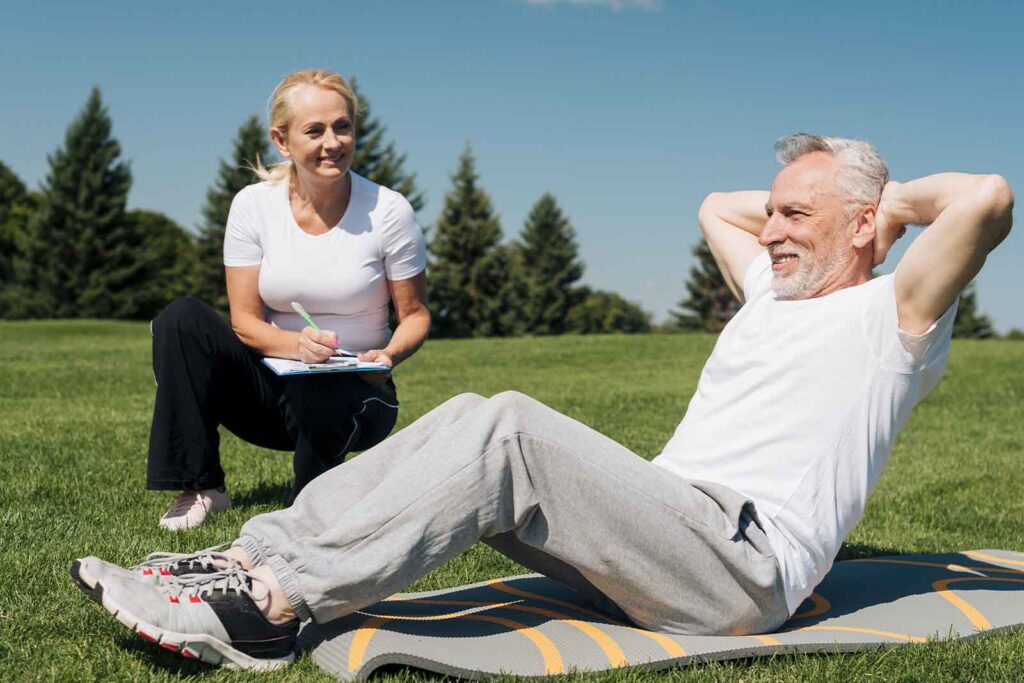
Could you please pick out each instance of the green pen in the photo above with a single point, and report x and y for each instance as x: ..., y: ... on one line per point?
x: 297, y: 307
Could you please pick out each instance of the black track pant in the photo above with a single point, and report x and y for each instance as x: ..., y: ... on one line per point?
x: 206, y: 377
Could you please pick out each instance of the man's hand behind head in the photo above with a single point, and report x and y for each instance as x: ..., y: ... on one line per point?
x: 889, y: 225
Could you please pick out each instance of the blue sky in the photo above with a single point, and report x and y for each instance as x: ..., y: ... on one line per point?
x: 629, y: 111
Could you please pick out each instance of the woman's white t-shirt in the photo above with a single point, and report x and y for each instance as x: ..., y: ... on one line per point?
x: 339, y: 277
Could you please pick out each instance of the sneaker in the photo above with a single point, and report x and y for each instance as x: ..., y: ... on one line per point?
x: 91, y: 573
x: 211, y: 617
x: 191, y: 508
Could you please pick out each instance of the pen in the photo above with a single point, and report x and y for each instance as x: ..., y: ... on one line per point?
x: 297, y: 307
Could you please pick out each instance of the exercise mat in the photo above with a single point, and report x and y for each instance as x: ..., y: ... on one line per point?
x: 533, y: 626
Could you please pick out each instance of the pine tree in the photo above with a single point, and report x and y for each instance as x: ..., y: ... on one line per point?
x: 12, y: 191
x: 251, y: 143
x: 13, y: 201
x: 465, y: 280
x: 17, y: 206
x: 501, y: 309
x: 710, y: 304
x: 550, y: 268
x: 167, y: 259
x: 379, y: 161
x: 82, y: 260
x: 969, y: 322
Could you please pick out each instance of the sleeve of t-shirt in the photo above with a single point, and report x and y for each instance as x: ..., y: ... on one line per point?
x: 898, y: 350
x: 758, y: 278
x: 405, y: 249
x: 241, y: 234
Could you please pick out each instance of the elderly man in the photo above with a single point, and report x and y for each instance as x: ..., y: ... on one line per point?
x: 726, y: 531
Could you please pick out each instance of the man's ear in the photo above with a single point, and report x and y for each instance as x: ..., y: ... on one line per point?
x: 277, y: 137
x: 864, y: 227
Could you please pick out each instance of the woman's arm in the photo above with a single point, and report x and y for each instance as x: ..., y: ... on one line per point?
x: 255, y: 332
x: 410, y: 300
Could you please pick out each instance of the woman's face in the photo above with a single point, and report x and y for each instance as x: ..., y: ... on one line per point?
x: 320, y: 138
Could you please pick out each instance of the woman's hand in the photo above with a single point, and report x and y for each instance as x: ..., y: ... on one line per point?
x: 316, y: 347
x: 377, y: 356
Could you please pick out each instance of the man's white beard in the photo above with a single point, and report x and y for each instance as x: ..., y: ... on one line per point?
x: 809, y: 276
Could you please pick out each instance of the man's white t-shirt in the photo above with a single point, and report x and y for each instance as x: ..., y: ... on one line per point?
x: 797, y: 409
x: 339, y: 277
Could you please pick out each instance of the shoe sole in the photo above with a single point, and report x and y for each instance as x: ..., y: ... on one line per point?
x: 84, y: 580
x: 211, y: 512
x: 197, y: 646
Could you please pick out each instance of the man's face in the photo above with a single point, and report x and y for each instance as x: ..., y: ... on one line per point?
x: 806, y: 232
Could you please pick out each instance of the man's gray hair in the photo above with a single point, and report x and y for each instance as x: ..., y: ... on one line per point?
x: 863, y: 173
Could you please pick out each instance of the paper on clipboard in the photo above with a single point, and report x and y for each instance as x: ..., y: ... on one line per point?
x: 286, y: 366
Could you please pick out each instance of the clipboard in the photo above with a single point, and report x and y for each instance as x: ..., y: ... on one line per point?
x: 286, y: 367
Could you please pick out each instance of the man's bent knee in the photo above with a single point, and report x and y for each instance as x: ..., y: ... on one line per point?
x: 465, y: 400
x: 515, y: 402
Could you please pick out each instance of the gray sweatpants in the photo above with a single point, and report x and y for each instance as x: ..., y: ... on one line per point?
x: 549, y: 492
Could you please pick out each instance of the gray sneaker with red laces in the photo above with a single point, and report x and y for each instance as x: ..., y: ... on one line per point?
x: 209, y: 617
x: 91, y: 573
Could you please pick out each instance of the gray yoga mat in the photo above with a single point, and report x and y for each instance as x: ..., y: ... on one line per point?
x: 533, y: 626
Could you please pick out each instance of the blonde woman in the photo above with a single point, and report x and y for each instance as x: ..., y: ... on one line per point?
x: 312, y: 232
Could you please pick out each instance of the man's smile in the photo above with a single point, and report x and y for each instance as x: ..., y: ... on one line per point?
x: 780, y: 260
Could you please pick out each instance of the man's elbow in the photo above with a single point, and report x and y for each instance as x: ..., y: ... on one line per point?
x: 997, y: 195
x: 708, y: 209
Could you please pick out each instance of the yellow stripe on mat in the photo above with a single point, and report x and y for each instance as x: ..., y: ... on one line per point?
x: 552, y: 658
x: 365, y: 632
x: 670, y: 646
x: 361, y: 639
x: 820, y: 606
x: 976, y: 618
x: 950, y: 567
x: 978, y: 555
x: 616, y: 657
x: 519, y: 593
x: 439, y: 601
x: 768, y: 640
x: 614, y: 654
x: 869, y: 631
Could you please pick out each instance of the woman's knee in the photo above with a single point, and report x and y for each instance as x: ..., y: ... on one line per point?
x: 187, y: 310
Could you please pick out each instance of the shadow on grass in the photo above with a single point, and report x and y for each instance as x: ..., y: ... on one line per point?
x: 264, y: 493
x: 856, y: 551
x: 162, y: 660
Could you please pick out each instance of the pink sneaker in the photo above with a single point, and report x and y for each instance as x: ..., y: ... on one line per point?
x: 191, y: 508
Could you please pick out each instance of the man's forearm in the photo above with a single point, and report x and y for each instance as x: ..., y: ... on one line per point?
x: 967, y: 217
x: 744, y: 210
x: 923, y: 200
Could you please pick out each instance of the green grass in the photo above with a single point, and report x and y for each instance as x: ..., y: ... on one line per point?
x: 75, y: 404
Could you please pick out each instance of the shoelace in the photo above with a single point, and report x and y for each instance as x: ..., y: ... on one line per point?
x: 205, y: 558
x: 231, y: 580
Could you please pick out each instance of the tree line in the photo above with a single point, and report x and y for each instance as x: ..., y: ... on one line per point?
x: 72, y: 249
